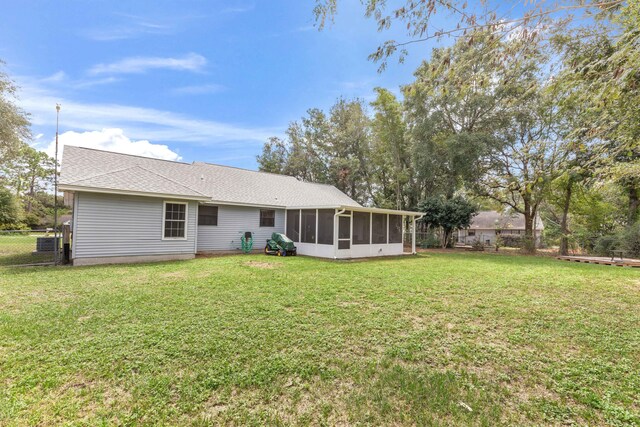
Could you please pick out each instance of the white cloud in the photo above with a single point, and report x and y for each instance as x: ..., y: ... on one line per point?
x: 55, y: 77
x: 137, y: 122
x: 238, y: 9
x: 140, y: 64
x: 133, y: 27
x: 112, y: 139
x: 198, y: 90
x: 60, y: 79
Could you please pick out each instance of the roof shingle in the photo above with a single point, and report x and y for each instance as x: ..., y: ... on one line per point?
x: 90, y: 168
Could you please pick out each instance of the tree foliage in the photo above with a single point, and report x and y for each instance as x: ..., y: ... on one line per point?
x: 448, y: 214
x: 422, y: 19
x: 14, y: 122
x: 329, y: 148
x: 391, y: 153
x: 10, y: 213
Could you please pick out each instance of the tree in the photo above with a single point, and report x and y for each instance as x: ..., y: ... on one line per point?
x: 10, y: 216
x: 600, y: 72
x: 422, y: 19
x: 14, y: 122
x: 454, y: 108
x: 331, y: 149
x: 518, y: 170
x: 274, y: 156
x: 391, y: 152
x: 448, y: 214
x: 349, y: 149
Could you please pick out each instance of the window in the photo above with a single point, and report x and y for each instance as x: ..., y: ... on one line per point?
x: 293, y: 225
x: 361, y: 224
x: 379, y: 228
x: 471, y: 233
x: 308, y: 226
x: 175, y: 220
x: 325, y: 226
x: 267, y: 218
x: 207, y: 215
x: 395, y: 228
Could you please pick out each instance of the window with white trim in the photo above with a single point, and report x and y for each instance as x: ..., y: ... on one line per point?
x: 175, y: 220
x: 267, y: 218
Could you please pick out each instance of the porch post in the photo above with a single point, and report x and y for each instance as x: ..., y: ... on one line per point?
x: 413, y: 235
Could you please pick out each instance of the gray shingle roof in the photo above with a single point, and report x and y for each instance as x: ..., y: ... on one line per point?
x: 96, y: 169
x: 507, y: 221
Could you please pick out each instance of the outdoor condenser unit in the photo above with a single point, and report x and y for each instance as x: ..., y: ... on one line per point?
x: 46, y: 244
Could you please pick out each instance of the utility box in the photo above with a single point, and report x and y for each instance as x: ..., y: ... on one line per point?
x: 47, y: 244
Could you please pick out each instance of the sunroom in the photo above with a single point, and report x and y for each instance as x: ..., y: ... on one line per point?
x: 350, y: 232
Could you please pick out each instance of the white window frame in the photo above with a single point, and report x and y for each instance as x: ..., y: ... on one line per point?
x: 260, y: 218
x: 186, y: 218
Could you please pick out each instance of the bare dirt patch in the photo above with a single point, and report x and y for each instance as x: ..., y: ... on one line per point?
x: 175, y: 275
x: 262, y: 264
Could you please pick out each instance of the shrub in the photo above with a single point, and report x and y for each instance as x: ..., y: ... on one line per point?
x: 511, y: 241
x: 629, y: 240
x: 477, y: 245
x: 605, y: 244
x: 431, y: 241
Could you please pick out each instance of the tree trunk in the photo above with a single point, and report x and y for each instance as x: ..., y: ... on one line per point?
x: 529, y: 238
x: 445, y: 237
x: 634, y: 204
x: 564, y: 228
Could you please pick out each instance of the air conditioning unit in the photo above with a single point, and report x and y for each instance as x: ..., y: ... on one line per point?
x: 47, y: 244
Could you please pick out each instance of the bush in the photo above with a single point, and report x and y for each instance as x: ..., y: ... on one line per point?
x: 511, y: 241
x: 431, y: 241
x: 629, y: 240
x: 10, y: 213
x: 477, y: 245
x: 605, y: 244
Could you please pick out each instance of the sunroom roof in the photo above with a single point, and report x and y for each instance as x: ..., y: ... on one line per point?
x: 361, y: 209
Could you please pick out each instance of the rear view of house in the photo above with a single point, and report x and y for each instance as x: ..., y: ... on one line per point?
x: 130, y: 208
x: 488, y: 225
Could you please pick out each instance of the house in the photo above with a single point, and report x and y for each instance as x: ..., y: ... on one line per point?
x: 487, y: 225
x: 129, y: 208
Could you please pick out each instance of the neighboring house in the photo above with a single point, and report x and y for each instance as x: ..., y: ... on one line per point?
x: 487, y: 225
x: 130, y: 208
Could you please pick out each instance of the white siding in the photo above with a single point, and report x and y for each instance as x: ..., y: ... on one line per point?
x: 373, y: 250
x: 233, y: 222
x: 312, y: 249
x: 109, y: 225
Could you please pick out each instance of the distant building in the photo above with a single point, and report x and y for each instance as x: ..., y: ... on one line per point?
x: 487, y: 225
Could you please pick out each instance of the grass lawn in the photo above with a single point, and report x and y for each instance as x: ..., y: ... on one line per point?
x: 435, y: 339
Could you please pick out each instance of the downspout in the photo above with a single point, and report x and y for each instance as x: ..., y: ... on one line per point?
x: 195, y: 240
x: 336, y: 231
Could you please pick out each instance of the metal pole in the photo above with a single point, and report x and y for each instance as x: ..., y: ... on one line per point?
x: 55, y: 195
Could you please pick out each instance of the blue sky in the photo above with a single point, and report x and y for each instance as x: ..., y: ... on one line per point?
x: 195, y: 80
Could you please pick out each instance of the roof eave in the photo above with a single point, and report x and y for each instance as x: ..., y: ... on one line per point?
x: 360, y: 209
x: 80, y: 188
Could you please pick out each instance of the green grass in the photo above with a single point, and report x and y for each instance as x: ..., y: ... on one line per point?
x: 17, y: 249
x: 436, y: 339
